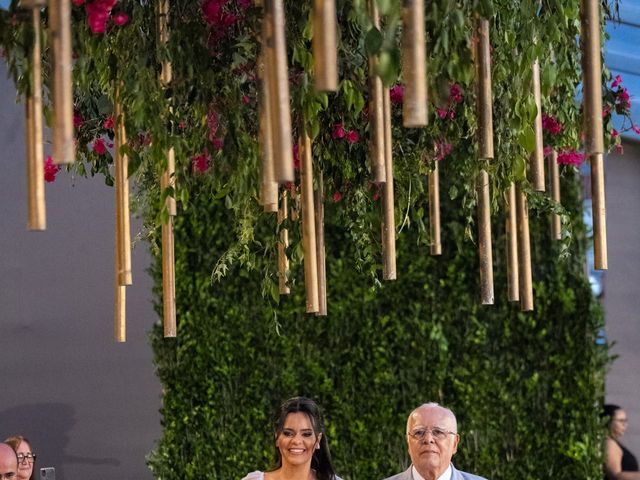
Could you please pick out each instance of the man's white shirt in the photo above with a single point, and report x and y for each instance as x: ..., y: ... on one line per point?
x: 445, y: 476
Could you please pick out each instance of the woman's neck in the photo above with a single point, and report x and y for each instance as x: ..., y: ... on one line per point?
x: 294, y: 472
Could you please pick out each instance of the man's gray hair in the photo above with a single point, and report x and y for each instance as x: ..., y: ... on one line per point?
x: 434, y: 405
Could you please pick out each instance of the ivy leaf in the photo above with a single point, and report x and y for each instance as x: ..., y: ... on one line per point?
x: 373, y: 41
x: 527, y: 139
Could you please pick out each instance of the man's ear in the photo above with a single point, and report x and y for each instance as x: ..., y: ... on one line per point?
x: 456, y: 441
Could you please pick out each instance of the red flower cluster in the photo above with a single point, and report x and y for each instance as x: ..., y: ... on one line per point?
x: 200, y: 163
x: 219, y: 15
x: 338, y: 132
x: 396, y: 94
x: 551, y: 125
x: 108, y: 123
x: 77, y: 120
x: 99, y: 146
x: 337, y: 196
x: 98, y: 14
x: 455, y: 97
x: 441, y: 149
x: 50, y: 170
x: 571, y: 157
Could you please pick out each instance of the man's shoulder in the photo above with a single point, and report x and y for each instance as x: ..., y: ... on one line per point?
x: 460, y: 475
x: 406, y: 475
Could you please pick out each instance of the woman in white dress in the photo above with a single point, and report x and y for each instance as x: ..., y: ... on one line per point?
x: 302, y: 451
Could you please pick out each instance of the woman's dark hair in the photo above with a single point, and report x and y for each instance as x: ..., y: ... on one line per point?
x: 608, y: 411
x: 14, y: 442
x: 321, y: 460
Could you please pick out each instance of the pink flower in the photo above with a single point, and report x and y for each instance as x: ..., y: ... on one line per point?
x: 619, y: 149
x: 622, y: 99
x: 396, y: 94
x: 547, y: 150
x: 337, y: 196
x: 120, y: 18
x: 551, y: 125
x: 441, y: 150
x: 200, y: 163
x: 108, y: 123
x: 635, y: 128
x: 455, y: 93
x: 218, y: 143
x: 616, y: 81
x: 442, y: 113
x: 244, y: 4
x: 246, y: 99
x: 98, y: 13
x: 614, y: 133
x: 77, y: 120
x: 212, y: 11
x: 338, y: 131
x: 50, y: 170
x: 99, y: 146
x: 570, y: 157
x: 353, y: 137
x: 296, y: 156
x: 606, y: 111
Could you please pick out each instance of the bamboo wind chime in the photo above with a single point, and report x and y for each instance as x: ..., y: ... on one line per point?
x: 325, y: 45
x: 320, y: 257
x: 434, y: 210
x: 485, y: 153
x: 167, y: 181
x: 123, y: 228
x: 536, y: 169
x: 388, y: 218
x: 513, y: 285
x: 283, y: 244
x: 37, y: 216
x: 554, y: 187
x: 414, y: 108
x: 60, y: 31
x: 376, y: 109
x: 592, y: 110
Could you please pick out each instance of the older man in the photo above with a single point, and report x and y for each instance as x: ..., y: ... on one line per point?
x: 432, y: 436
x: 8, y: 462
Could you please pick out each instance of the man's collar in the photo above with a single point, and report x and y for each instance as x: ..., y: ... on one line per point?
x: 446, y: 475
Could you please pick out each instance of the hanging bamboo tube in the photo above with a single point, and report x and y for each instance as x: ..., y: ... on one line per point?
x: 322, y: 267
x: 524, y: 252
x: 434, y: 209
x: 278, y: 83
x: 308, y: 225
x: 123, y: 228
x: 414, y: 108
x: 283, y: 244
x: 482, y: 60
x: 513, y: 284
x: 37, y: 214
x: 376, y: 110
x: 120, y: 303
x: 591, y: 75
x: 484, y: 238
x: 388, y: 222
x: 60, y: 30
x: 536, y: 169
x: 554, y: 175
x: 325, y: 45
x: 268, y: 184
x: 599, y: 212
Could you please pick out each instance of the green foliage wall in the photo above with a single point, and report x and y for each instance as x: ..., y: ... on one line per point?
x: 525, y: 386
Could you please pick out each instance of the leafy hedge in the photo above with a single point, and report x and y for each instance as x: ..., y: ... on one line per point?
x: 525, y: 386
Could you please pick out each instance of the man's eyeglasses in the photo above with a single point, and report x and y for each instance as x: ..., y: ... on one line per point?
x: 29, y: 457
x: 437, y: 433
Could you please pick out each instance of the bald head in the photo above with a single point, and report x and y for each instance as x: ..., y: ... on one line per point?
x: 8, y: 461
x: 444, y: 412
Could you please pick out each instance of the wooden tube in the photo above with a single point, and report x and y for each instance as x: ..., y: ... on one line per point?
x: 168, y: 279
x: 483, y: 81
x: 591, y: 75
x: 536, y: 169
x: 434, y: 209
x: 513, y: 285
x: 283, y: 244
x: 414, y: 64
x: 60, y: 30
x: 554, y: 174
x: 599, y: 212
x: 388, y: 222
x: 37, y: 217
x: 268, y: 184
x: 166, y: 73
x: 376, y: 111
x: 524, y: 252
x: 322, y: 267
x: 278, y: 82
x: 325, y: 45
x: 484, y: 238
x: 123, y: 228
x: 120, y: 300
x: 308, y: 225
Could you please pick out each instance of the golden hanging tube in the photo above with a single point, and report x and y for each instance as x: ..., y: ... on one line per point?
x: 599, y: 212
x: 388, y: 222
x: 283, y: 244
x: 414, y: 71
x: 434, y: 209
x: 483, y: 82
x: 320, y: 257
x: 513, y: 284
x: 591, y: 75
x: 325, y: 45
x: 278, y: 83
x: 60, y: 30
x: 484, y: 238
x: 120, y: 305
x: 536, y: 169
x: 376, y: 110
x: 308, y: 225
x: 123, y: 227
x: 37, y: 217
x: 524, y: 252
x: 268, y: 184
x: 554, y: 174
